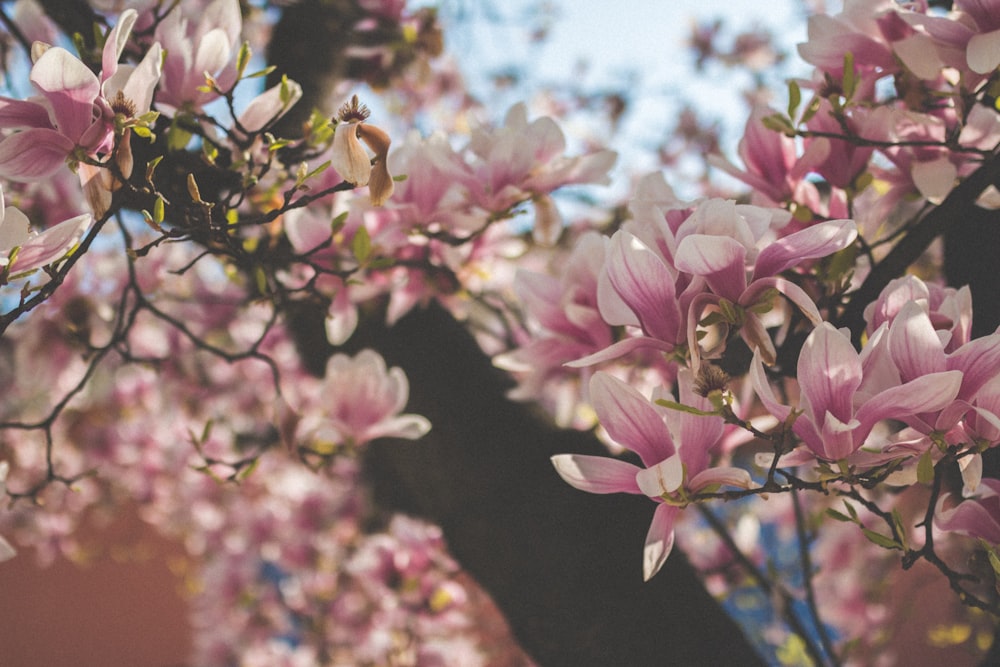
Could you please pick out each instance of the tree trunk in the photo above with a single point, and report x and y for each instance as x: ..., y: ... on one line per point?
x: 564, y: 566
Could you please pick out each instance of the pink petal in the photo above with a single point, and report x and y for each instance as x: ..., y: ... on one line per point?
x: 116, y: 41
x: 645, y: 284
x: 983, y: 52
x: 763, y: 390
x: 659, y: 540
x: 829, y: 372
x: 70, y: 87
x: 596, y: 474
x: 979, y: 361
x: 813, y: 242
x: 914, y: 345
x: 725, y: 476
x: 720, y: 259
x: 662, y: 478
x: 52, y: 244
x: 790, y: 290
x: 406, y: 427
x: 620, y: 349
x: 33, y: 154
x: 14, y: 228
x: 925, y: 394
x: 18, y: 114
x: 630, y: 419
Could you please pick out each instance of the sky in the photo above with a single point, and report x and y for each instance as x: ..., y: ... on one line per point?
x: 640, y: 44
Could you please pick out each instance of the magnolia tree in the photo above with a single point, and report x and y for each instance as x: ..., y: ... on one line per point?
x: 225, y: 256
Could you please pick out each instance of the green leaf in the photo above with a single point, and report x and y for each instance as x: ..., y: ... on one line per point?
x: 361, y: 245
x: 338, y: 223
x: 263, y: 72
x: 850, y: 510
x: 158, y: 210
x: 779, y: 123
x: 991, y: 552
x: 151, y: 167
x: 811, y: 109
x: 177, y: 137
x: 850, y: 81
x: 837, y: 516
x: 794, y: 97
x: 925, y: 468
x: 880, y: 539
x: 248, y: 470
x: 243, y: 59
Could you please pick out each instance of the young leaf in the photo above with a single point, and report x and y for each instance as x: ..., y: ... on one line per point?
x: 361, y: 245
x: 880, y: 539
x: 794, y: 97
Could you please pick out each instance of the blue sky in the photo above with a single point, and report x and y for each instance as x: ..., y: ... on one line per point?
x: 641, y: 43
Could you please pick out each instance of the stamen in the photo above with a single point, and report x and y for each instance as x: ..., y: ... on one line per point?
x: 123, y: 105
x: 353, y: 111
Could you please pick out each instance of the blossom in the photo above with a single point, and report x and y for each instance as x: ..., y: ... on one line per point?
x: 363, y: 401
x: 835, y: 417
x: 675, y: 460
x: 721, y: 249
x: 976, y: 517
x: 520, y: 160
x: 198, y: 40
x: 351, y: 160
x: 76, y: 108
x: 22, y: 251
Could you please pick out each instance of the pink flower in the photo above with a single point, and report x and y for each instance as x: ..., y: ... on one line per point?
x: 911, y: 349
x: 724, y: 246
x: 976, y: 517
x: 38, y: 250
x: 362, y: 402
x: 835, y: 419
x: 569, y: 326
x: 669, y: 470
x: 773, y: 170
x: 855, y: 30
x: 950, y: 310
x: 198, y: 39
x: 522, y: 159
x: 76, y: 108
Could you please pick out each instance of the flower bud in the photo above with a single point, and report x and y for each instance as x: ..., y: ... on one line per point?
x: 380, y: 185
x: 349, y: 157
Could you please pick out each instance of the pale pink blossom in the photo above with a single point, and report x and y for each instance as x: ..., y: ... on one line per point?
x: 676, y: 459
x: 35, y: 250
x: 835, y: 419
x: 976, y: 517
x: 363, y: 401
x: 199, y: 38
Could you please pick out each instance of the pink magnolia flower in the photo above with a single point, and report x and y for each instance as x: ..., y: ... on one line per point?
x: 199, y: 39
x: 34, y: 251
x: 855, y: 30
x: 723, y: 254
x: 835, y: 418
x: 569, y: 326
x: 950, y: 310
x: 675, y: 460
x: 520, y: 160
x: 976, y: 517
x: 773, y: 168
x: 916, y: 349
x: 76, y: 108
x: 362, y: 401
